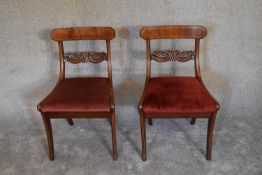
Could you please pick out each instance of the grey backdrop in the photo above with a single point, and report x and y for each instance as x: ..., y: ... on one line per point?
x: 231, y: 68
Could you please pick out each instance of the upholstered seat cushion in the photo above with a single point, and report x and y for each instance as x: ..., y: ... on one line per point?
x: 177, y: 95
x: 78, y: 95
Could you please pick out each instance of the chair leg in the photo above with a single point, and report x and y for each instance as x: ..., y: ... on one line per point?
x: 210, y: 128
x: 193, y: 121
x: 70, y: 121
x: 113, y: 128
x: 48, y: 129
x: 150, y: 121
x: 143, y: 134
x: 109, y: 121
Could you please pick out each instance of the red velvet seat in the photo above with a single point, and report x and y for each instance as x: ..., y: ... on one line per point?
x: 79, y: 94
x: 177, y: 95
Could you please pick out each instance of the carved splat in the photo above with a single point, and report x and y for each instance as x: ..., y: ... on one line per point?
x: 84, y: 57
x: 172, y: 55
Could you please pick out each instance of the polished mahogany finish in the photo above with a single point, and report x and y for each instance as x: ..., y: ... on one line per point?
x: 175, y: 97
x: 83, y: 33
x: 88, y: 97
x: 169, y: 32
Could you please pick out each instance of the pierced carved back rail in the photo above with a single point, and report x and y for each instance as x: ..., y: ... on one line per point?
x: 172, y: 55
x: 85, y: 57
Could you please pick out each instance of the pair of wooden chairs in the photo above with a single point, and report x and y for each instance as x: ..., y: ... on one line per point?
x: 163, y: 97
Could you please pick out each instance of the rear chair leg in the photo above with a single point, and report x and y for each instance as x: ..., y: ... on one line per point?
x: 70, y: 121
x: 109, y: 121
x: 193, y: 121
x: 143, y: 134
x: 150, y: 121
x: 210, y: 128
x: 113, y: 128
x: 48, y: 129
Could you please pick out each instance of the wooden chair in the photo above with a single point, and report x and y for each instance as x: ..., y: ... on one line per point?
x: 175, y: 97
x: 90, y: 97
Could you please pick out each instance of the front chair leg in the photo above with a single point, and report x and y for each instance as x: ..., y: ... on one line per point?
x: 143, y: 134
x: 150, y: 121
x: 48, y: 129
x: 70, y: 121
x: 210, y: 129
x: 193, y: 121
x: 113, y: 128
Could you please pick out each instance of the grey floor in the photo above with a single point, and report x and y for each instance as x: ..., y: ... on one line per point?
x: 174, y: 146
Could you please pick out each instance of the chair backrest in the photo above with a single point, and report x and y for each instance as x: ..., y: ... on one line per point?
x: 83, y: 33
x: 195, y: 32
x: 175, y: 31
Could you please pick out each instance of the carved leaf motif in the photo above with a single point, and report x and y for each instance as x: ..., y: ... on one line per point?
x: 172, y: 55
x: 84, y: 57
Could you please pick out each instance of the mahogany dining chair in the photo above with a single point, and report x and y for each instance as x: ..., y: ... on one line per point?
x: 175, y: 96
x: 86, y: 97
